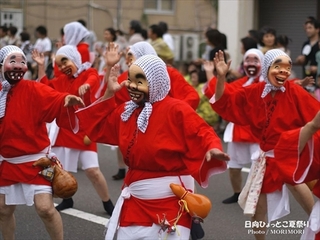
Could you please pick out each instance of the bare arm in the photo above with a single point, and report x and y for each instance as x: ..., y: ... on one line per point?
x: 208, y: 67
x: 221, y: 70
x: 39, y: 59
x: 111, y: 57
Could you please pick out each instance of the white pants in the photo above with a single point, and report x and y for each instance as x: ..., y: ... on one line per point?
x: 21, y: 193
x: 69, y: 158
x: 240, y: 153
x: 148, y: 233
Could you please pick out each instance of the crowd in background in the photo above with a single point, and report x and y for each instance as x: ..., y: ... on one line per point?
x: 159, y: 37
x: 197, y: 73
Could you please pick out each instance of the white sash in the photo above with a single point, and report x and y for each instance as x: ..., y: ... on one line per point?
x: 145, y: 189
x: 277, y: 202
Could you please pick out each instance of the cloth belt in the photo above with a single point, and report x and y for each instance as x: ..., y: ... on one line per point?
x: 145, y: 189
x: 277, y: 202
x: 26, y: 158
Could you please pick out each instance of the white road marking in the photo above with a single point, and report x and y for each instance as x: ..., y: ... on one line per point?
x: 86, y: 216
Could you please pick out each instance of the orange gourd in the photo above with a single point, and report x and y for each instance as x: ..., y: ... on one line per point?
x: 64, y: 184
x: 198, y: 205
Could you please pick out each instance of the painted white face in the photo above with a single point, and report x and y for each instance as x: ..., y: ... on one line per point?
x: 138, y: 87
x: 14, y: 67
x: 279, y: 71
x: 252, y: 65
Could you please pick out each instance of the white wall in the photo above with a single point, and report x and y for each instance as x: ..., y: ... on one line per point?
x: 235, y: 18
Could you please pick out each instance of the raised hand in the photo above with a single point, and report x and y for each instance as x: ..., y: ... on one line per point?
x: 220, y: 65
x: 208, y: 66
x: 112, y: 55
x: 38, y: 57
x: 113, y: 84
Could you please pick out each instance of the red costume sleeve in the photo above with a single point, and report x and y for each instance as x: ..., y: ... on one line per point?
x: 182, y: 90
x: 96, y: 120
x: 83, y: 49
x: 293, y: 165
x: 29, y: 107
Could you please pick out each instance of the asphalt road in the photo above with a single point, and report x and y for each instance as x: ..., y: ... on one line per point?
x: 86, y: 220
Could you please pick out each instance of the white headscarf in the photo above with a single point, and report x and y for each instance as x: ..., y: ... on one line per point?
x: 71, y: 52
x: 4, y: 53
x: 74, y: 32
x: 269, y: 58
x: 140, y: 49
x: 260, y: 55
x: 159, y: 85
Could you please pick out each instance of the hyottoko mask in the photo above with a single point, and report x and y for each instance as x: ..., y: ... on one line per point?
x: 138, y: 86
x: 14, y: 66
x: 279, y: 70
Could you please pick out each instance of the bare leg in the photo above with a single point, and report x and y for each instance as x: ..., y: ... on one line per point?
x: 308, y: 130
x: 303, y: 196
x: 49, y: 215
x: 236, y: 179
x: 99, y: 182
x: 260, y: 215
x: 100, y: 185
x: 236, y: 182
x: 7, y: 220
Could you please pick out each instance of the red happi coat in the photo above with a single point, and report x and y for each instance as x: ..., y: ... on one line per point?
x: 174, y: 144
x: 240, y: 133
x: 64, y: 83
x: 23, y: 129
x: 268, y: 117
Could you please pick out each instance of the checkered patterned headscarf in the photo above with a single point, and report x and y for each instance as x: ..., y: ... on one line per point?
x: 4, y: 53
x: 269, y: 58
x: 159, y: 85
x: 74, y: 32
x: 140, y: 49
x: 71, y: 52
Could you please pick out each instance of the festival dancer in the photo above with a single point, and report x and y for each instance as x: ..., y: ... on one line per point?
x: 81, y: 80
x: 276, y: 99
x: 157, y: 135
x: 74, y: 33
x: 179, y: 88
x: 241, y: 142
x: 298, y: 155
x: 25, y: 107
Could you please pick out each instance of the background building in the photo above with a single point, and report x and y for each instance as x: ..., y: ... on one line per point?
x: 186, y: 19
